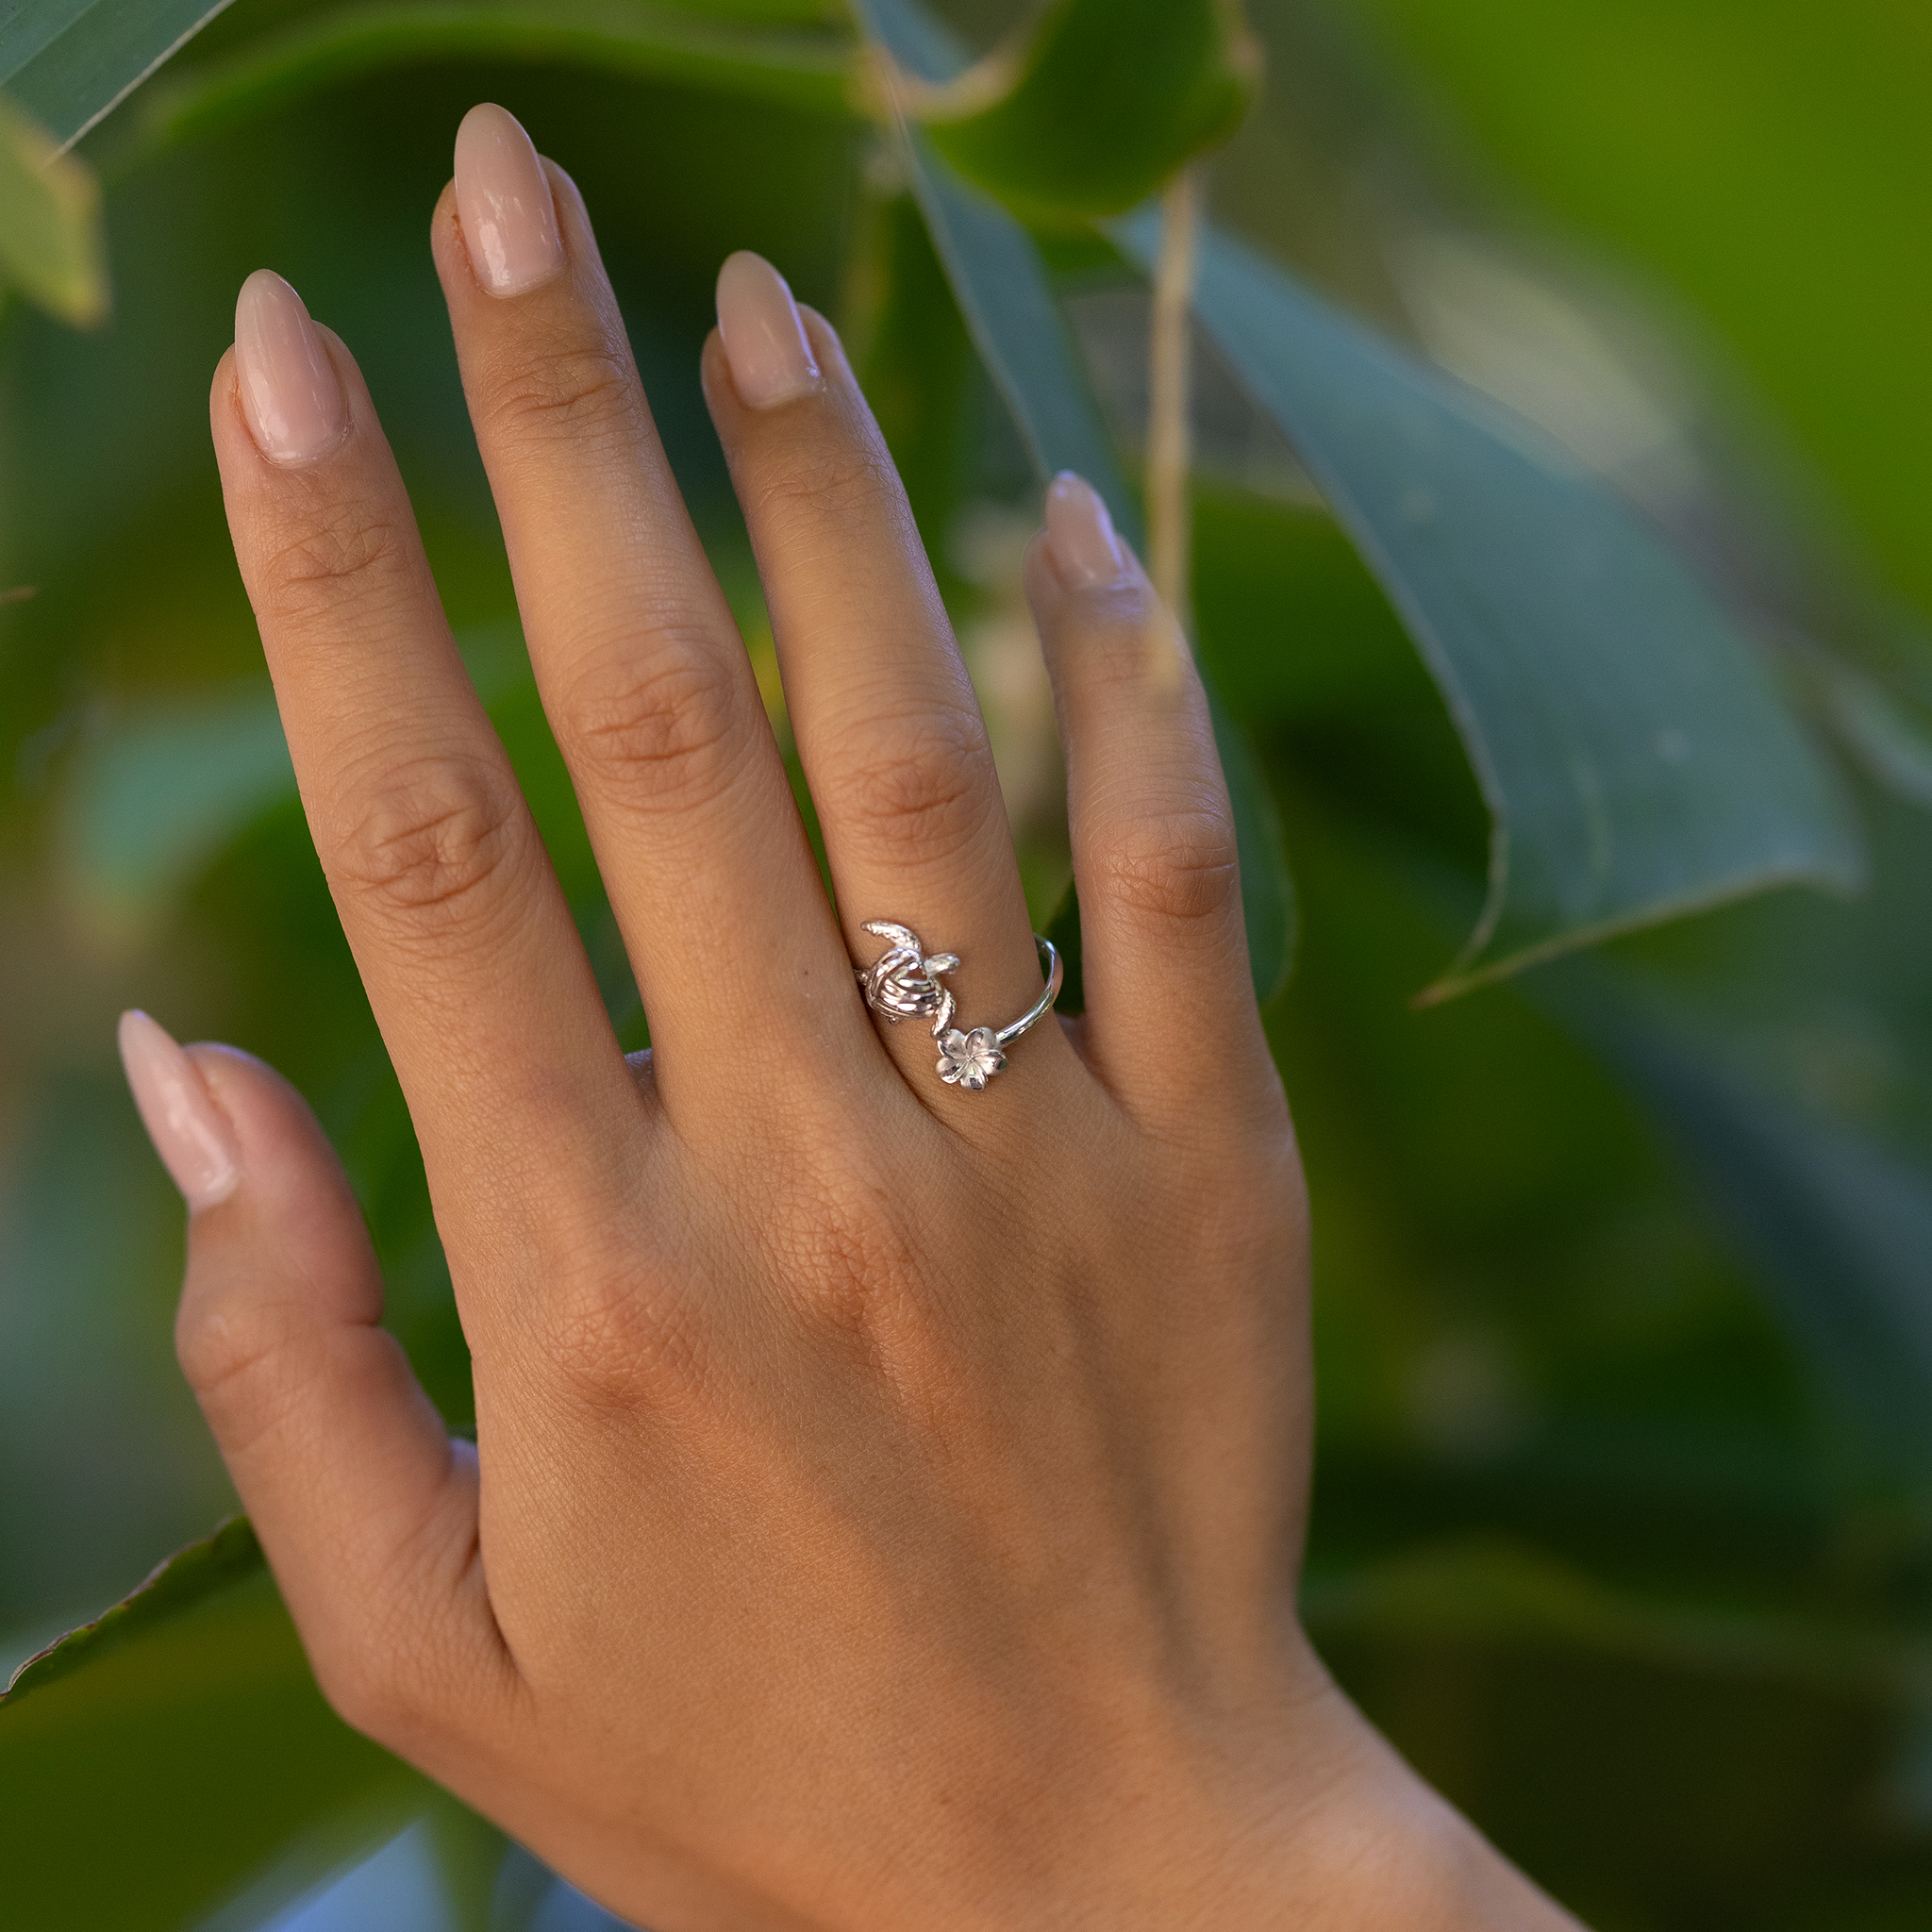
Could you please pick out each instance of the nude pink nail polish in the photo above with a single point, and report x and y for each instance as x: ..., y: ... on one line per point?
x: 290, y: 395
x: 191, y: 1133
x: 504, y: 201
x: 764, y: 340
x: 1080, y: 535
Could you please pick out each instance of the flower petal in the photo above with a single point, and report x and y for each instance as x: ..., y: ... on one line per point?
x: 973, y: 1078
x: 950, y: 1071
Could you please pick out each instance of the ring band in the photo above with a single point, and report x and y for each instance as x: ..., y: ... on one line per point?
x: 905, y: 981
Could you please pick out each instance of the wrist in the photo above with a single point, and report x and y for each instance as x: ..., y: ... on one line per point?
x: 1383, y: 1849
x: 1297, y: 1812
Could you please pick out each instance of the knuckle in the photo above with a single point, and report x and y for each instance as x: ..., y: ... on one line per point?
x: 1125, y: 646
x: 1180, y: 869
x: 360, y: 1691
x: 431, y: 839
x: 225, y: 1353
x: 926, y: 800
x: 850, y: 1260
x: 856, y: 1271
x: 386, y: 1685
x: 616, y: 1336
x: 1119, y: 648
x: 566, y: 393
x: 832, y: 484
x: 660, y: 730
x: 406, y: 1673
x: 344, y: 557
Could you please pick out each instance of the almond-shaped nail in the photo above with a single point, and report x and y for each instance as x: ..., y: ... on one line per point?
x: 764, y: 340
x: 191, y: 1133
x: 1080, y: 535
x: 504, y: 202
x: 294, y: 406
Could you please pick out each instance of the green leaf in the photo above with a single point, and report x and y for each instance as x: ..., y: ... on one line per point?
x: 50, y: 224
x: 813, y: 70
x: 1637, y: 760
x: 179, y: 1582
x: 1268, y: 904
x: 156, y: 1761
x: 161, y: 793
x: 1002, y: 290
x: 1836, y: 1227
x: 1064, y: 929
x: 916, y: 363
x: 1496, y: 1589
x: 1268, y: 901
x: 1095, y: 102
x: 1291, y: 625
x: 69, y: 61
x: 469, y: 1853
x: 1891, y: 744
x: 1002, y: 287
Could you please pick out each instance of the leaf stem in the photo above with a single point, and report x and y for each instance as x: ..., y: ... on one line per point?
x: 1168, y: 441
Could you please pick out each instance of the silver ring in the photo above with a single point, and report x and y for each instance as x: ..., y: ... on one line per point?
x: 904, y: 983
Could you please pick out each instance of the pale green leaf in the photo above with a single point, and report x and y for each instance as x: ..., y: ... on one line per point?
x: 788, y: 67
x: 1636, y: 759
x: 50, y: 225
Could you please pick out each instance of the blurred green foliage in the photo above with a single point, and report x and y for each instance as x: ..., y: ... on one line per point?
x: 1108, y: 102
x: 1624, y: 1519
x: 50, y: 241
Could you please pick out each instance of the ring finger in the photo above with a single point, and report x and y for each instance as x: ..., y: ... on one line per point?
x: 888, y: 729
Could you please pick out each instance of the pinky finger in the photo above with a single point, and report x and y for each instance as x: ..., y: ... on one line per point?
x: 1171, y: 1008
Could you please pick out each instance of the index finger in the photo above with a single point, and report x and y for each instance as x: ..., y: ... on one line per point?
x: 462, y: 936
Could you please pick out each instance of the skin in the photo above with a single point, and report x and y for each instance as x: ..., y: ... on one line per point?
x: 887, y: 1501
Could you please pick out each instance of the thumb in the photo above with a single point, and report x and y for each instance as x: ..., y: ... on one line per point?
x: 365, y: 1507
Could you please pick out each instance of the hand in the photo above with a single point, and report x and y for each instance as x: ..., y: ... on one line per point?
x: 888, y: 1497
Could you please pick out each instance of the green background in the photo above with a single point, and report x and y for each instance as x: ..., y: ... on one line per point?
x: 1622, y: 1524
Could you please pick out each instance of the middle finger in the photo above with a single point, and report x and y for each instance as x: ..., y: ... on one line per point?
x: 642, y: 674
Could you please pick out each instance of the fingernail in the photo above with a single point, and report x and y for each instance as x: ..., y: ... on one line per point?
x: 764, y: 340
x: 503, y: 198
x: 1080, y: 535
x: 290, y: 393
x: 190, y: 1132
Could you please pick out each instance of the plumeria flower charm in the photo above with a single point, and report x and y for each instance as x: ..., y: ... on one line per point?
x: 970, y: 1059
